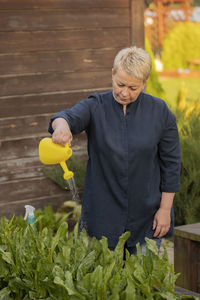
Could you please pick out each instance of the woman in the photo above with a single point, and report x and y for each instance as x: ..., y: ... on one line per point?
x: 134, y: 155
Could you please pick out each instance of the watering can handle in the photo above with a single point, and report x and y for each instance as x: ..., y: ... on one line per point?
x: 51, y: 153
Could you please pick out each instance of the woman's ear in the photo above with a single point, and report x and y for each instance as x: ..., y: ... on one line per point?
x: 144, y: 85
x: 113, y: 72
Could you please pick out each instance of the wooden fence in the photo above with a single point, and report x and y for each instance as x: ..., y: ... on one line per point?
x: 52, y: 54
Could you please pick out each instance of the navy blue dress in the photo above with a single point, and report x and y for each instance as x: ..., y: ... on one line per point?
x: 133, y: 158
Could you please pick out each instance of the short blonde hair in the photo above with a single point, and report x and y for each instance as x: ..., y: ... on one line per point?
x: 134, y: 61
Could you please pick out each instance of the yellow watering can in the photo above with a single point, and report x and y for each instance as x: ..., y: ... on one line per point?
x: 51, y: 154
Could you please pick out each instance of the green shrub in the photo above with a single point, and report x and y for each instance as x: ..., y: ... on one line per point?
x: 73, y: 266
x: 154, y: 87
x: 181, y: 45
x: 187, y: 201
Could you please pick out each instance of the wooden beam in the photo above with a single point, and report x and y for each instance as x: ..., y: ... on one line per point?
x: 35, y: 104
x: 17, y: 207
x: 137, y: 22
x: 80, y: 60
x: 49, y: 19
x: 28, y: 41
x: 160, y: 11
x: 61, y: 4
x: 50, y: 82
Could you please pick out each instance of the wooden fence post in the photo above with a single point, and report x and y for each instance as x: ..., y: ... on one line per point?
x: 137, y: 23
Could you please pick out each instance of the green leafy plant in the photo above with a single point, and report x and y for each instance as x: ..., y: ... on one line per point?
x: 154, y: 86
x: 187, y: 201
x: 60, y: 265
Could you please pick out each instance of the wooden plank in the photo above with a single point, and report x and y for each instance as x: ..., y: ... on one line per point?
x: 64, y: 4
x: 186, y: 262
x: 17, y: 208
x: 26, y: 125
x: 137, y: 23
x: 189, y: 231
x: 50, y: 82
x: 22, y: 168
x: 14, y: 106
x: 12, y: 42
x: 58, y: 61
x: 17, y: 20
x: 27, y: 147
x: 29, y: 125
x: 19, y: 147
x: 29, y: 188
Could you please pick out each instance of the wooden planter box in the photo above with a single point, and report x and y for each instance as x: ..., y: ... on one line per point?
x: 183, y: 292
x: 187, y: 256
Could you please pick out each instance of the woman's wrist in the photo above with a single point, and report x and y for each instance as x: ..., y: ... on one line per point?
x: 165, y: 209
x: 167, y: 201
x: 60, y: 123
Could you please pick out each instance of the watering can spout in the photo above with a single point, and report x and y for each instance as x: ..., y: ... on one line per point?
x: 51, y: 154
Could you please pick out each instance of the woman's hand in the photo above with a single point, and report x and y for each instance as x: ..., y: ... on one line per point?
x: 161, y: 222
x: 62, y: 133
x: 162, y: 218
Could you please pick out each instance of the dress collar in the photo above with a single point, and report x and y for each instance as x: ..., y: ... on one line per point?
x: 130, y: 104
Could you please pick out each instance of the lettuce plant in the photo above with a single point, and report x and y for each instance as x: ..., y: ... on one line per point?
x: 56, y: 264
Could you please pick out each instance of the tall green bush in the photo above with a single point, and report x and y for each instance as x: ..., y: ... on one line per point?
x: 154, y: 87
x: 187, y: 201
x: 181, y: 45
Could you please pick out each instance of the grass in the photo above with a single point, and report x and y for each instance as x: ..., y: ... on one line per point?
x: 172, y: 86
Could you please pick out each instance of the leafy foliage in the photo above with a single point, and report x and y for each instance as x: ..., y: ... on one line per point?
x: 187, y: 201
x: 181, y: 45
x: 187, y: 111
x: 73, y: 266
x: 154, y: 86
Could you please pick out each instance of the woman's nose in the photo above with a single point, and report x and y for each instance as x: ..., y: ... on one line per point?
x: 125, y: 91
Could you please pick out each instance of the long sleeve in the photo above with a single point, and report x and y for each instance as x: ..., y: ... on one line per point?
x: 169, y: 154
x: 78, y: 117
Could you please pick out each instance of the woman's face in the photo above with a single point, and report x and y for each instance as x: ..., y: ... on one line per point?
x: 126, y: 88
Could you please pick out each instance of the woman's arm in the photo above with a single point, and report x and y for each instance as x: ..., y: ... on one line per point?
x: 73, y: 120
x: 162, y: 218
x: 170, y: 158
